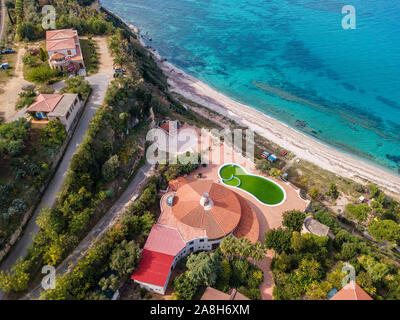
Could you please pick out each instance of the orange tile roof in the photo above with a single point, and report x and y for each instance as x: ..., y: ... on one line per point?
x: 248, y: 226
x: 177, y: 183
x: 218, y: 222
x: 62, y: 44
x: 351, y: 291
x: 61, y: 39
x: 45, y: 103
x: 214, y: 294
x: 60, y: 34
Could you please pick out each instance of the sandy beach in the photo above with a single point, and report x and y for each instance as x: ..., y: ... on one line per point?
x: 301, y: 145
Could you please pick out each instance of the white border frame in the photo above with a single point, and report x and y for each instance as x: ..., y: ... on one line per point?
x: 255, y: 175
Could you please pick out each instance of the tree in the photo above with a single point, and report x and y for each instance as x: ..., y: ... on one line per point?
x: 318, y: 291
x: 110, y: 168
x: 18, y: 278
x: 124, y: 258
x: 274, y: 172
x: 112, y: 283
x: 293, y: 220
x: 203, y: 268
x: 227, y: 247
x: 309, y: 271
x: 359, y: 212
x: 258, y: 251
x: 41, y: 74
x: 333, y: 191
x: 263, y: 165
x: 278, y: 239
x: 53, y: 134
x: 376, y: 270
x: 315, y: 194
x: 385, y: 230
x: 184, y: 287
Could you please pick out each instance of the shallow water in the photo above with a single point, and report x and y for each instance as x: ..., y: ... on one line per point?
x: 292, y: 60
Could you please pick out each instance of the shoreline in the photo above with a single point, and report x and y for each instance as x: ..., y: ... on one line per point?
x: 303, y: 146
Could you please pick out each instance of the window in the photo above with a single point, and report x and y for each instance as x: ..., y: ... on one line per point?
x: 67, y: 116
x: 201, y: 240
x: 191, y: 242
x: 75, y: 102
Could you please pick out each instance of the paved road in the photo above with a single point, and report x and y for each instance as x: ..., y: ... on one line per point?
x: 99, y: 83
x: 3, y: 19
x: 103, y: 225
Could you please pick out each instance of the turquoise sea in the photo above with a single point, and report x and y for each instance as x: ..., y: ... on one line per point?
x: 292, y: 60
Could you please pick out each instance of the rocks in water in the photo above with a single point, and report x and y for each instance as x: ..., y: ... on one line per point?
x: 301, y: 124
x: 393, y: 158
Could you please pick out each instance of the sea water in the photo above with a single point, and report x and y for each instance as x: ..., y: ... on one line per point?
x: 292, y: 60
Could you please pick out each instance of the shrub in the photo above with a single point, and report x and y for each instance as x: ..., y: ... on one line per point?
x: 384, y: 230
x: 110, y: 168
x: 41, y: 74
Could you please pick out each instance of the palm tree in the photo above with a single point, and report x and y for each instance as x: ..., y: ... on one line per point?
x: 227, y: 247
x: 258, y: 251
x: 243, y: 248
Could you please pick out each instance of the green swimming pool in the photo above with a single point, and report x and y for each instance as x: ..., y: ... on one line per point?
x: 264, y: 190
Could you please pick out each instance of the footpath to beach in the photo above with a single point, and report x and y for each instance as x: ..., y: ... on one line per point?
x: 303, y: 146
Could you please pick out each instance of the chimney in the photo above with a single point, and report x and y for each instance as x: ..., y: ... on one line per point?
x: 206, y: 202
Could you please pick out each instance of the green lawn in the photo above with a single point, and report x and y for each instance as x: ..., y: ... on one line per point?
x: 264, y: 190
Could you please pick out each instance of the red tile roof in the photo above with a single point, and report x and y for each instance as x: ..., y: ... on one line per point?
x: 165, y: 240
x: 248, y: 226
x: 62, y: 44
x: 60, y: 34
x: 154, y: 268
x: 218, y: 222
x: 62, y: 39
x: 214, y: 294
x: 351, y: 291
x: 45, y: 103
x: 177, y: 183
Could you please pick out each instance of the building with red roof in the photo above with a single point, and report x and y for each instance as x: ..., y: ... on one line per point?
x: 195, y: 216
x: 61, y: 107
x: 351, y: 291
x: 64, y: 50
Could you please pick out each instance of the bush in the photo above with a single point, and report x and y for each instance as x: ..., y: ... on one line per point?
x: 359, y: 212
x: 385, y: 230
x: 110, y: 168
x: 293, y: 220
x: 41, y: 74
x: 53, y: 134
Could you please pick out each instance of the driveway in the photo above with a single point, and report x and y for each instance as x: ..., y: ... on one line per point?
x: 99, y: 83
x: 104, y: 224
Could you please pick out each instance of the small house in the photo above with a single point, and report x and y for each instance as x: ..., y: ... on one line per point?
x: 61, y: 107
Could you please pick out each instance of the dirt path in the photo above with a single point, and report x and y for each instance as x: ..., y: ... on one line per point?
x: 9, y: 98
x: 106, y: 60
x: 3, y: 19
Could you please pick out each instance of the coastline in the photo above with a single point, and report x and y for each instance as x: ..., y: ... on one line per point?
x: 303, y: 146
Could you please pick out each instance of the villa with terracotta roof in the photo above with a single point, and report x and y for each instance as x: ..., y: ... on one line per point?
x: 194, y: 216
x: 65, y: 51
x: 61, y: 107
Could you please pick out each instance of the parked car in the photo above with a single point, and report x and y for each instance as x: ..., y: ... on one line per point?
x: 4, y: 66
x: 118, y: 70
x: 8, y: 50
